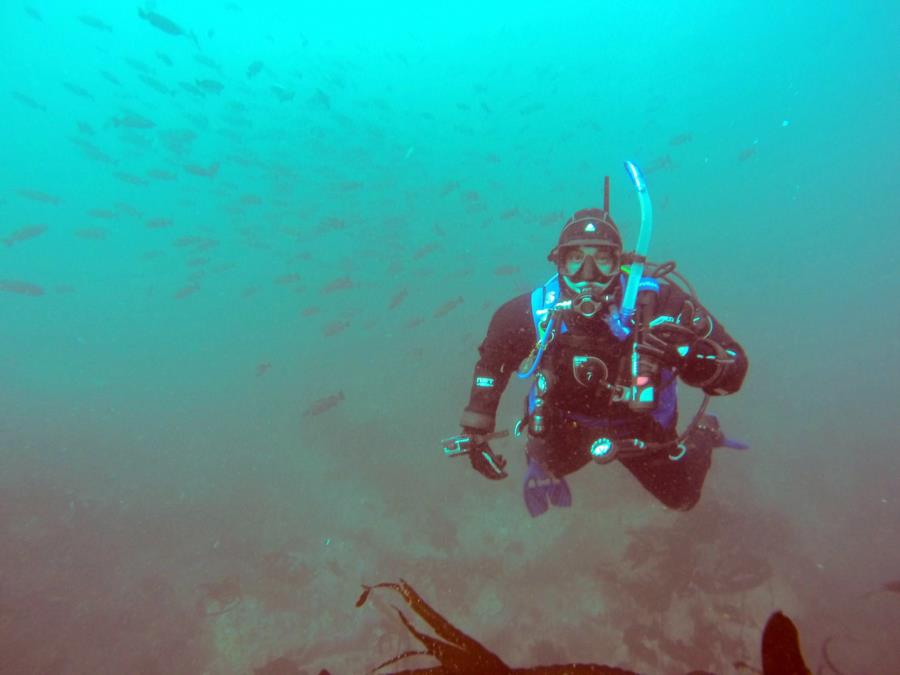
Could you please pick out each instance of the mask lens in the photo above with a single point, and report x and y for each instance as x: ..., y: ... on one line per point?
x: 576, y: 261
x: 573, y: 260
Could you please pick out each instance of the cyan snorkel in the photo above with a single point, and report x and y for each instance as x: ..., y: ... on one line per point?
x: 641, y: 394
x: 621, y: 322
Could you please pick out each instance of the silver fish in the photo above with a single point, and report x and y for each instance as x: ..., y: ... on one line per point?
x: 23, y: 233
x: 324, y: 404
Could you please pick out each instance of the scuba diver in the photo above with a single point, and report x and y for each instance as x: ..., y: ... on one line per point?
x: 604, y: 342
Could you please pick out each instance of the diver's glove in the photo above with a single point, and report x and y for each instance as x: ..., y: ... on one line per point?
x: 704, y: 364
x: 672, y: 343
x: 484, y: 460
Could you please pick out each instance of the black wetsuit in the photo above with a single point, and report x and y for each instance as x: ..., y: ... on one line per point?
x: 577, y: 415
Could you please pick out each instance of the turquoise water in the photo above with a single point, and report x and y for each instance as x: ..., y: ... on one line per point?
x: 164, y: 331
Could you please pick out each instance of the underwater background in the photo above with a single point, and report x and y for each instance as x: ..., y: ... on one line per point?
x: 249, y: 255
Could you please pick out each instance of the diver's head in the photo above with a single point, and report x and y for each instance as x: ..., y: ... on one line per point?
x: 588, y: 257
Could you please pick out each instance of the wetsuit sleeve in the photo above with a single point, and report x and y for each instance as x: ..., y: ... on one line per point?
x: 717, y: 364
x: 510, y: 337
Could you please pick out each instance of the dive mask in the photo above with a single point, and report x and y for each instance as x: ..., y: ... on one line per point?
x: 588, y: 273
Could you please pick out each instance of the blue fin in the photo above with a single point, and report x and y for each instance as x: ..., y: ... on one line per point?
x: 541, y: 489
x: 732, y: 443
x: 711, y: 432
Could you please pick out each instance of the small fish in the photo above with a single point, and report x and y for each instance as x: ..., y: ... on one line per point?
x: 681, y: 139
x: 205, y: 171
x: 284, y: 95
x: 20, y: 287
x: 129, y: 178
x: 38, y: 196
x: 449, y: 187
x: 262, y: 368
x: 34, y: 14
x: 201, y: 243
x: 161, y: 174
x: 551, y: 218
x: 127, y: 210
x: 254, y: 69
x: 286, y: 279
x: 333, y: 328
x: 101, y: 213
x: 210, y: 86
x: 94, y: 22
x: 30, y: 102
x: 664, y: 162
x: 310, y: 311
x: 509, y: 214
x: 184, y: 292
x: 165, y: 59
x: 155, y: 84
x: 191, y: 88
x: 94, y: 153
x: 349, y: 185
x: 164, y: 24
x: 138, y: 65
x: 110, y: 77
x: 399, y: 297
x: 204, y: 60
x: 178, y: 140
x: 746, y: 153
x: 78, y: 91
x: 94, y: 233
x: 324, y: 404
x: 447, y: 307
x: 158, y: 223
x: 25, y: 233
x: 506, y: 270
x: 133, y: 121
x: 339, y: 284
x: 425, y: 250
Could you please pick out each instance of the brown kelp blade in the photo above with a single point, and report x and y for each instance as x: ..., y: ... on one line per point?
x: 461, y: 654
x: 441, y: 626
x: 453, y: 656
x: 781, y: 648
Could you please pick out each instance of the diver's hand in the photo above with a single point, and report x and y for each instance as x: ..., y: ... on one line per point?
x: 484, y: 460
x: 666, y: 345
x: 670, y: 342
